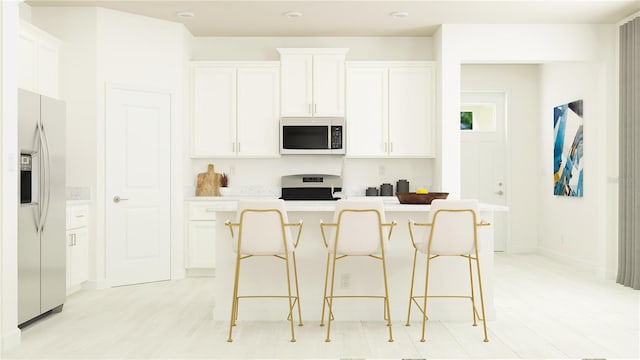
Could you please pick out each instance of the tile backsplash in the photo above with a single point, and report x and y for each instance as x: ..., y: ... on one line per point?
x: 78, y: 193
x: 261, y: 177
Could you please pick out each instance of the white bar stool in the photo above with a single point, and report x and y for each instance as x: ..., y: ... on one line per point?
x: 453, y: 232
x: 357, y: 230
x: 263, y: 230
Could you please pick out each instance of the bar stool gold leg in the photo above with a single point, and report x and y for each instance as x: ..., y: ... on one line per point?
x: 295, y: 274
x: 293, y: 336
x: 473, y: 299
x: 413, y: 275
x: 484, y: 317
x: 234, y: 300
x: 424, y: 307
x: 324, y: 296
x: 330, y: 300
x: 386, y: 296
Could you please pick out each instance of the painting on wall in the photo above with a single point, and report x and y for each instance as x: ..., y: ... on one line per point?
x: 568, y: 172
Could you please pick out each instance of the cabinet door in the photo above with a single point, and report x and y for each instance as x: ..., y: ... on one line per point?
x: 69, y: 243
x: 328, y: 85
x: 296, y: 85
x: 367, y: 111
x: 79, y: 255
x: 258, y: 111
x: 411, y: 106
x: 201, y: 253
x: 213, y: 111
x: 27, y: 61
x: 48, y: 69
x: 38, y: 61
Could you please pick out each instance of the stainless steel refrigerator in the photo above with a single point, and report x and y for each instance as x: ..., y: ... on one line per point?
x: 42, y: 208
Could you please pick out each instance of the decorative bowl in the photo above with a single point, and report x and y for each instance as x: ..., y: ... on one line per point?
x: 413, y: 198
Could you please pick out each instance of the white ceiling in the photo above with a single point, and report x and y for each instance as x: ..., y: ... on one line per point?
x: 361, y: 17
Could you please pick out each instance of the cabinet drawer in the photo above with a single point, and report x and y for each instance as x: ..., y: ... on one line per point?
x: 202, y: 211
x: 78, y: 217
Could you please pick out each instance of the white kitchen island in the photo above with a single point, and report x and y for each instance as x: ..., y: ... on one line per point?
x: 354, y: 275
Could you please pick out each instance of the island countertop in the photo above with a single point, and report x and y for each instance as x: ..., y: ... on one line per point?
x: 391, y: 204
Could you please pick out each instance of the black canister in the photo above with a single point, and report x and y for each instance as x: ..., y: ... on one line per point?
x: 386, y: 190
x: 402, y: 186
x: 371, y: 191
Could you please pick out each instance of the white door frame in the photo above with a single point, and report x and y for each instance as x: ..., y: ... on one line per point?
x: 103, y: 200
x: 507, y: 159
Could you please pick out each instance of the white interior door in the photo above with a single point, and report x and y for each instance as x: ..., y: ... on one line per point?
x: 484, y: 156
x: 137, y: 186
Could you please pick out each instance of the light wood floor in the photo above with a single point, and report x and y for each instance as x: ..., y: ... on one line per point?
x: 544, y: 310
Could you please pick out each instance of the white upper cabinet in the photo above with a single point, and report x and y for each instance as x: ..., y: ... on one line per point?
x: 258, y: 111
x: 235, y: 109
x: 411, y: 111
x: 38, y: 61
x: 296, y: 84
x: 312, y: 82
x: 367, y: 111
x: 390, y: 109
x: 213, y: 110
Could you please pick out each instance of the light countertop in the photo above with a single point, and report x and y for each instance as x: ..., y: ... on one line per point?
x: 391, y: 204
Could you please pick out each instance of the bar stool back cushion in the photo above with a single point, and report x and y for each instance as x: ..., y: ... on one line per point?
x: 453, y: 232
x: 359, y: 233
x: 262, y: 233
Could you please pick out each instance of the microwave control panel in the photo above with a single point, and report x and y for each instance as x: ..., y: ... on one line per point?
x: 336, y: 137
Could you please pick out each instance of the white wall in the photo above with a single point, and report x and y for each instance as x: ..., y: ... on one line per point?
x: 109, y: 47
x: 149, y: 54
x: 536, y: 44
x: 573, y: 228
x: 1, y: 177
x: 9, y: 25
x: 522, y: 85
x: 78, y: 88
x: 360, y: 47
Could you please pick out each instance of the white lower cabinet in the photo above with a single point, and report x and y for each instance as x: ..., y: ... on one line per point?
x: 201, y: 236
x: 77, y: 246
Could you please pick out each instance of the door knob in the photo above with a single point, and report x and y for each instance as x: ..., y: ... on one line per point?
x: 117, y: 199
x: 499, y: 192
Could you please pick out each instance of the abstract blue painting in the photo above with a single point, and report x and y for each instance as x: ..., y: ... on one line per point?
x: 568, y: 172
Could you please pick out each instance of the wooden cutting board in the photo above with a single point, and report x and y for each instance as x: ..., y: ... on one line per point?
x: 208, y: 183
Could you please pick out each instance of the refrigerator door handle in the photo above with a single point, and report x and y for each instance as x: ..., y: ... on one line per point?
x: 40, y: 150
x: 46, y: 177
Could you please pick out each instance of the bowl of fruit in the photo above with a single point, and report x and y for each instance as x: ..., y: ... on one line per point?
x: 420, y: 197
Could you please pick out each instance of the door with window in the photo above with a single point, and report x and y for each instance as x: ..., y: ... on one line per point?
x: 484, y: 155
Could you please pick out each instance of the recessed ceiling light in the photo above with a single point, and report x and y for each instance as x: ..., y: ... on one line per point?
x: 292, y: 14
x: 185, y: 14
x: 399, y: 14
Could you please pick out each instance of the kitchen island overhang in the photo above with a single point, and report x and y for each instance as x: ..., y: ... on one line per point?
x: 354, y: 275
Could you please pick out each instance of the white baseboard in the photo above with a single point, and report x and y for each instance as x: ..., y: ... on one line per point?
x: 575, y: 262
x: 205, y: 272
x: 95, y: 284
x: 178, y: 274
x: 521, y: 250
x: 74, y: 289
x: 11, y: 340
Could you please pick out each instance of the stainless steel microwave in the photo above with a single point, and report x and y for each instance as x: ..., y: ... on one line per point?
x: 313, y: 135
